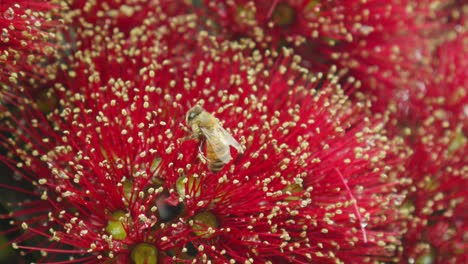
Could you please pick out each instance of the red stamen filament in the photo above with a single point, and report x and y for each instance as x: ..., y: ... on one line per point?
x: 273, y: 6
x: 356, y: 208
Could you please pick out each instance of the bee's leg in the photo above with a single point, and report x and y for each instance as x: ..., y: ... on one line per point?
x: 200, y: 151
x: 239, y: 156
x: 183, y: 127
x: 190, y: 135
x: 196, y: 131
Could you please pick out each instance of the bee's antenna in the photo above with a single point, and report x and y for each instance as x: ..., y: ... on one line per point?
x: 200, y: 102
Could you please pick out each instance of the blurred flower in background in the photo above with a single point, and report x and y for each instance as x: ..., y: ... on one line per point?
x: 26, y: 41
x: 337, y: 130
x: 381, y: 43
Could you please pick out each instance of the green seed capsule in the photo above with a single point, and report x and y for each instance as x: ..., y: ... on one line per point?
x: 284, y: 15
x: 204, y: 224
x: 425, y: 259
x: 292, y: 190
x: 127, y: 190
x: 115, y: 226
x: 189, y: 183
x: 144, y: 254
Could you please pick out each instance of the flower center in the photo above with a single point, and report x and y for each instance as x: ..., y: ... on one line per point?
x: 459, y: 141
x: 145, y: 254
x: 245, y: 15
x: 46, y: 102
x: 292, y: 191
x: 115, y: 225
x: 204, y: 224
x: 191, y: 184
x: 284, y: 15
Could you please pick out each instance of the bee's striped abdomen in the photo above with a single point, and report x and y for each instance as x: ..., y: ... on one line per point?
x: 216, y: 161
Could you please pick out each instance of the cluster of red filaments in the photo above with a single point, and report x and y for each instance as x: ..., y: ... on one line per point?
x: 436, y: 128
x: 117, y: 174
x: 125, y: 184
x: 24, y: 40
x: 376, y: 42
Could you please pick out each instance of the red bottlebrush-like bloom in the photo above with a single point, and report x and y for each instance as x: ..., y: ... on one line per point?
x: 123, y: 15
x: 448, y: 87
x: 119, y: 180
x: 89, y: 19
x: 440, y: 91
x: 427, y: 80
x: 436, y: 200
x: 26, y: 40
x: 377, y: 42
x: 435, y: 122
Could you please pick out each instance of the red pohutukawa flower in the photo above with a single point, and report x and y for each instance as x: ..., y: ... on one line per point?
x: 377, y: 42
x: 448, y: 87
x: 439, y: 93
x: 290, y: 171
x: 26, y: 40
x: 428, y: 80
x: 88, y: 18
x: 436, y: 120
x: 436, y: 200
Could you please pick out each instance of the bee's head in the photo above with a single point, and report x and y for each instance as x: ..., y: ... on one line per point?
x: 193, y: 113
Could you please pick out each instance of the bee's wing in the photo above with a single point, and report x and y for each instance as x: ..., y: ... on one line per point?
x: 215, y: 138
x: 220, y: 140
x: 230, y: 141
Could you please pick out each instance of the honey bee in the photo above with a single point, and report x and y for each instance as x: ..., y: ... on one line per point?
x: 207, y: 129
